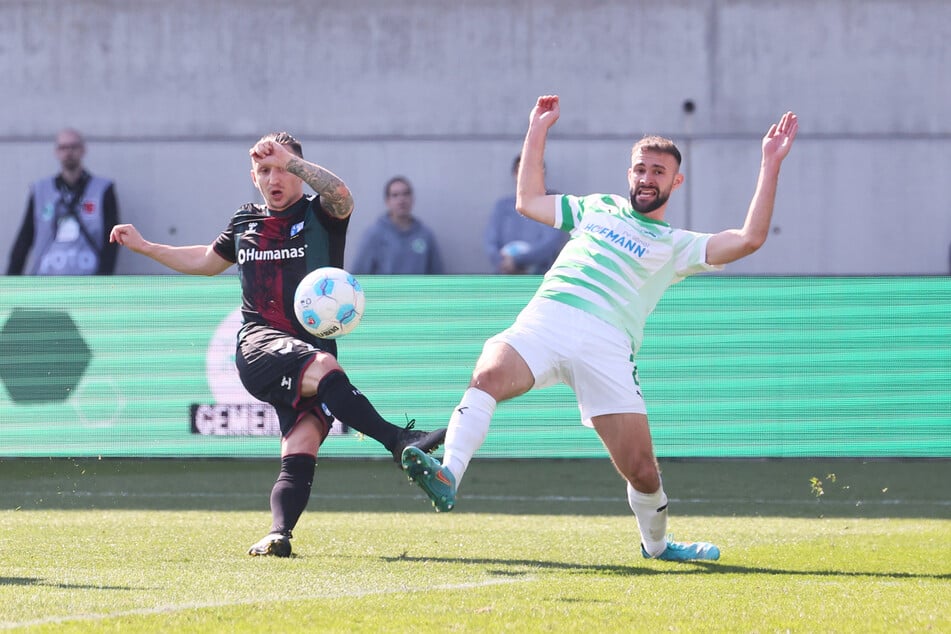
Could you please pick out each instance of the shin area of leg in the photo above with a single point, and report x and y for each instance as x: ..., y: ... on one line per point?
x: 628, y: 440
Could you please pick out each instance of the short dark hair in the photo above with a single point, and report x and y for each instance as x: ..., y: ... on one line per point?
x: 284, y: 138
x: 657, y: 144
x: 396, y: 179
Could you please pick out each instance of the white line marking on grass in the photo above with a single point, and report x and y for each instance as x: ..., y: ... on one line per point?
x: 557, y: 498
x: 181, y: 607
x: 490, y: 498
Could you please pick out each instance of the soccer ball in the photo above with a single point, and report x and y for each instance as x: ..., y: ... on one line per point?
x: 329, y: 302
x: 515, y: 247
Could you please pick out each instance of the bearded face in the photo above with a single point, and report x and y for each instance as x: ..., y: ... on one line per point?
x: 652, y: 177
x: 648, y: 198
x: 70, y: 149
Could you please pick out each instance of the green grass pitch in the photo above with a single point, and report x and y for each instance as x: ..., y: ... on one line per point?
x: 533, y: 546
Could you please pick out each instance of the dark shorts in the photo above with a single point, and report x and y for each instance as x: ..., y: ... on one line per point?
x: 271, y: 364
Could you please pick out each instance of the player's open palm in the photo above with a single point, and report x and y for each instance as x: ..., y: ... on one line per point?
x: 779, y: 139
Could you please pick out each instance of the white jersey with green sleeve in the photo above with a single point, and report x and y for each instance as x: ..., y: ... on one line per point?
x: 619, y: 262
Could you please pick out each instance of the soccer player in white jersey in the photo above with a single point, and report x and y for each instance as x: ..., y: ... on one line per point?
x: 584, y: 325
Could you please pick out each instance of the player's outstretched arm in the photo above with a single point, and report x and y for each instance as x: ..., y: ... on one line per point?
x: 193, y: 260
x: 531, y: 199
x: 733, y: 244
x: 335, y: 196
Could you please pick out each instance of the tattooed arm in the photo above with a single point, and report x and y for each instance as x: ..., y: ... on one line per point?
x: 335, y: 196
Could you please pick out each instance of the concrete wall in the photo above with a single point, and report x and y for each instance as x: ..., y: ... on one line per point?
x: 171, y: 94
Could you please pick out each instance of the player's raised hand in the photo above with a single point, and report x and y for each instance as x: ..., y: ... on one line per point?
x: 546, y: 111
x: 778, y: 140
x: 270, y: 153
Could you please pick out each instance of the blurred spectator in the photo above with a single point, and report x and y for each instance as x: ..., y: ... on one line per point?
x: 398, y: 242
x: 515, y: 244
x: 68, y: 218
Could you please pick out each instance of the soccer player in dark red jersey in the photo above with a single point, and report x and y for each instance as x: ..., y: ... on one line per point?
x: 275, y: 245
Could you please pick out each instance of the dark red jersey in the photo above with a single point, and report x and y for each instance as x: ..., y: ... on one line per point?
x: 274, y: 251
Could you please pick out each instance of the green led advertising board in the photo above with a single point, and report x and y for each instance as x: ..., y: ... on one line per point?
x: 730, y: 367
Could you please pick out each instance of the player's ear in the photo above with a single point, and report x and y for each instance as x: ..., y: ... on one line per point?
x: 678, y: 180
x: 254, y: 177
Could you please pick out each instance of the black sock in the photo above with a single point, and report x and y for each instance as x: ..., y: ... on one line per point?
x: 349, y: 405
x: 291, y: 491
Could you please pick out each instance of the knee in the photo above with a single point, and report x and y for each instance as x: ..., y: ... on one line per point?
x: 502, y: 376
x: 483, y: 378
x: 492, y: 380
x: 323, y: 365
x: 643, y: 474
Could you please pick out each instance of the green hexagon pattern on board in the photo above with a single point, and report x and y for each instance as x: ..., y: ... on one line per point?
x: 42, y: 355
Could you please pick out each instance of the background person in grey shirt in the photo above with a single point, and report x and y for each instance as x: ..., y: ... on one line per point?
x: 515, y: 244
x: 398, y: 242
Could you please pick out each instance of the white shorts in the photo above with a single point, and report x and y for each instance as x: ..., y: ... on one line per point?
x: 563, y: 344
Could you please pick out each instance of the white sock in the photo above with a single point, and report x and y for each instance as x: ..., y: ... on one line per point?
x: 467, y: 430
x: 650, y: 509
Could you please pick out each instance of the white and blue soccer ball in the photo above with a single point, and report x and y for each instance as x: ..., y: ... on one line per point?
x: 329, y: 302
x: 515, y: 247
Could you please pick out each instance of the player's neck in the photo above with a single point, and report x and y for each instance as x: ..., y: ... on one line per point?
x: 283, y: 210
x: 656, y: 215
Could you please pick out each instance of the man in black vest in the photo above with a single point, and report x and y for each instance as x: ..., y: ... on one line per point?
x: 275, y: 245
x: 68, y: 218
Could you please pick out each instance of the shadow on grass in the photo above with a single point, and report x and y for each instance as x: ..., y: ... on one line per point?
x: 689, y: 568
x: 33, y: 581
